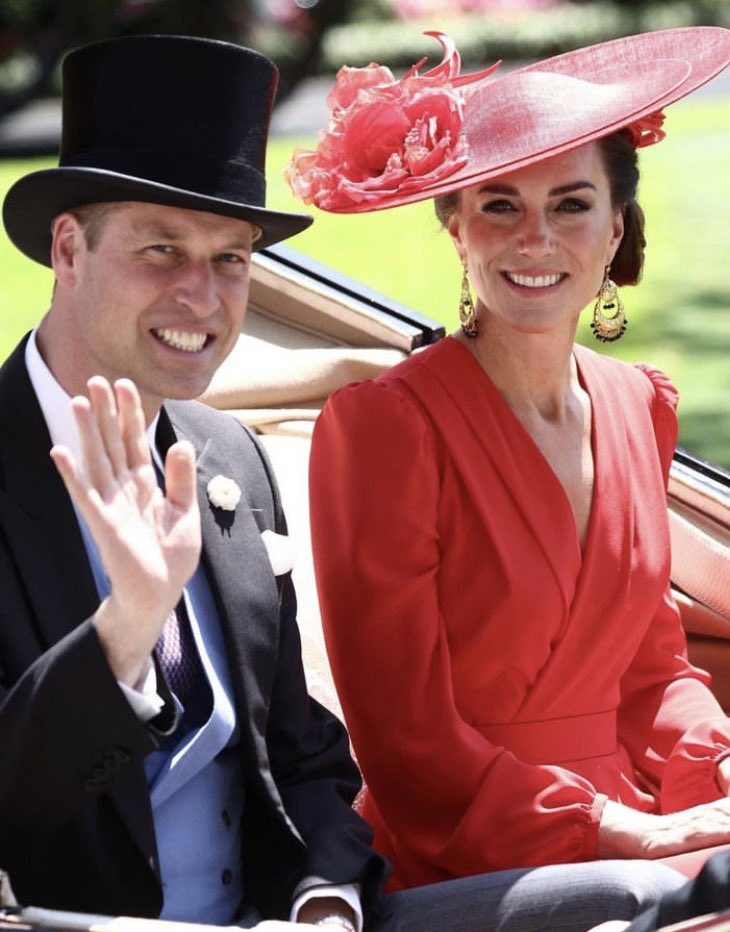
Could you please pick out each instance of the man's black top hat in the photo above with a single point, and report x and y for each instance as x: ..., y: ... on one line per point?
x: 171, y: 120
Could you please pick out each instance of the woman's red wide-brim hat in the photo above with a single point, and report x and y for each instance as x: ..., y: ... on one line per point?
x: 396, y: 142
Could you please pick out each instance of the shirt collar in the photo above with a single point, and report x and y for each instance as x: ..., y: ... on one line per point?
x: 55, y: 404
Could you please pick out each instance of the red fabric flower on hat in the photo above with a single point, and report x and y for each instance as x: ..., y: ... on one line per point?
x: 386, y: 135
x: 647, y: 130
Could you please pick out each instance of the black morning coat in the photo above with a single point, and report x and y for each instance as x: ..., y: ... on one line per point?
x: 76, y: 828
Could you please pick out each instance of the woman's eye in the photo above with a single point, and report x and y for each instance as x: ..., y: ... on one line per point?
x: 573, y: 205
x: 498, y: 207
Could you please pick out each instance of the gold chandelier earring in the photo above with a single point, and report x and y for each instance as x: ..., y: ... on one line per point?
x: 609, y: 319
x: 467, y: 310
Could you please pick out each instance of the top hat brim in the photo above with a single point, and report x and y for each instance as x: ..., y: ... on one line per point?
x: 35, y: 200
x: 614, y: 84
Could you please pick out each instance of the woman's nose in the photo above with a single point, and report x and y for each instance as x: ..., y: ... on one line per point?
x: 535, y: 237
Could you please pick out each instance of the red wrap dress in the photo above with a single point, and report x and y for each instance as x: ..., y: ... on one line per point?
x: 499, y: 685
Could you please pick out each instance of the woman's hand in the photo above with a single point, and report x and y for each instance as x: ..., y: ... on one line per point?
x: 628, y: 833
x: 149, y: 543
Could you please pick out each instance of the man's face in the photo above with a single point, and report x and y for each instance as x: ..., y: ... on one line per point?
x: 160, y: 299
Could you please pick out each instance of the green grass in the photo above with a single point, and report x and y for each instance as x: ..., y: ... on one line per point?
x: 679, y: 316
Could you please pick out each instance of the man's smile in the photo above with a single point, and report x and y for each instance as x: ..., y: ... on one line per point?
x: 186, y: 340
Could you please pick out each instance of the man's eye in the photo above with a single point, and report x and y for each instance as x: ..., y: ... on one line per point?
x: 163, y: 248
x: 233, y: 262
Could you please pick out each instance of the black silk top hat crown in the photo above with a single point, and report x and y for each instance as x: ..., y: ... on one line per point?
x: 171, y: 120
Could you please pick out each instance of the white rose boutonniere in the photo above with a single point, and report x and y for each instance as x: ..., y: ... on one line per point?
x: 223, y: 493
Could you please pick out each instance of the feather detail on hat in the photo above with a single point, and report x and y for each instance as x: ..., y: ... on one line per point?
x: 386, y: 135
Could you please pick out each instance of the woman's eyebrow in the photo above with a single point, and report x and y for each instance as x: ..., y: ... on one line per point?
x: 498, y: 189
x: 554, y: 192
x: 573, y: 186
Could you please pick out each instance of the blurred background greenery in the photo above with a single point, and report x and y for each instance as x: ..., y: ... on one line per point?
x: 679, y: 316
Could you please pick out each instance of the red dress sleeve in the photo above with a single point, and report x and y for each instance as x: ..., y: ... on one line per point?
x: 451, y: 803
x: 673, y: 727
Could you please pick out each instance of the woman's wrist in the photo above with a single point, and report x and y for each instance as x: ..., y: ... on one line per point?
x: 624, y: 832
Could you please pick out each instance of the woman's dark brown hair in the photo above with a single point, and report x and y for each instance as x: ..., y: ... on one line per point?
x: 621, y: 164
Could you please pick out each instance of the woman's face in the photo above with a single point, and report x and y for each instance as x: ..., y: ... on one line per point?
x: 536, y: 241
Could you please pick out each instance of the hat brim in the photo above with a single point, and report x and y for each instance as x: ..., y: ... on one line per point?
x: 35, y: 200
x: 646, y: 73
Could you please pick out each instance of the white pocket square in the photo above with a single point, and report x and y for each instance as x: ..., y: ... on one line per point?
x: 281, y: 551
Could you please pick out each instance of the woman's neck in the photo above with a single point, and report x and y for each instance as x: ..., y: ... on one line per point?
x: 535, y: 373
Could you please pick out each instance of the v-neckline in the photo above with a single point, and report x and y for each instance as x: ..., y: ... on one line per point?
x: 581, y: 551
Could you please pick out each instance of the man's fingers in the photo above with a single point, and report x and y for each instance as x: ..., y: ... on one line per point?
x: 133, y: 428
x: 180, y: 475
x: 96, y: 463
x: 76, y: 485
x: 66, y: 466
x: 104, y: 408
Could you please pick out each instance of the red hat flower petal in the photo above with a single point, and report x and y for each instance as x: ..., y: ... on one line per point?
x: 386, y: 135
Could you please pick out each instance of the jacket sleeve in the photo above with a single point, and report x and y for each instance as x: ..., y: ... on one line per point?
x: 66, y: 733
x: 69, y: 742
x: 454, y: 801
x: 673, y: 726
x: 66, y: 730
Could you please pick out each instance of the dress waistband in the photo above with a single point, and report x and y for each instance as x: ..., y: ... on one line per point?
x: 556, y: 740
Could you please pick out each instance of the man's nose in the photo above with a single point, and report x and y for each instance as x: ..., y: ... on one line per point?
x: 197, y: 290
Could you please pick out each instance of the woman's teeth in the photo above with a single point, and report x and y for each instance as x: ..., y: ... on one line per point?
x: 533, y: 281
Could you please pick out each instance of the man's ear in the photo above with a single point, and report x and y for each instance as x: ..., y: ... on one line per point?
x: 67, y: 239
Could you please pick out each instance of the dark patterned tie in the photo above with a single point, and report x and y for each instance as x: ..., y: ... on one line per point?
x: 178, y: 655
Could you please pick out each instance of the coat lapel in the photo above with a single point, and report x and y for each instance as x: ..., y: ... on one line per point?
x: 240, y: 577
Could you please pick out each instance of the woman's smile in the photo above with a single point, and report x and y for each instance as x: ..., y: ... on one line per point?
x: 535, y: 281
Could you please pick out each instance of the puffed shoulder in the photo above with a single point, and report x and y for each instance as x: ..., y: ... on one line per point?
x: 375, y: 420
x: 664, y: 389
x: 371, y: 402
x: 664, y: 413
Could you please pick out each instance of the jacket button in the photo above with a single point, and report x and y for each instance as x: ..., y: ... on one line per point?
x: 227, y: 877
x: 226, y: 818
